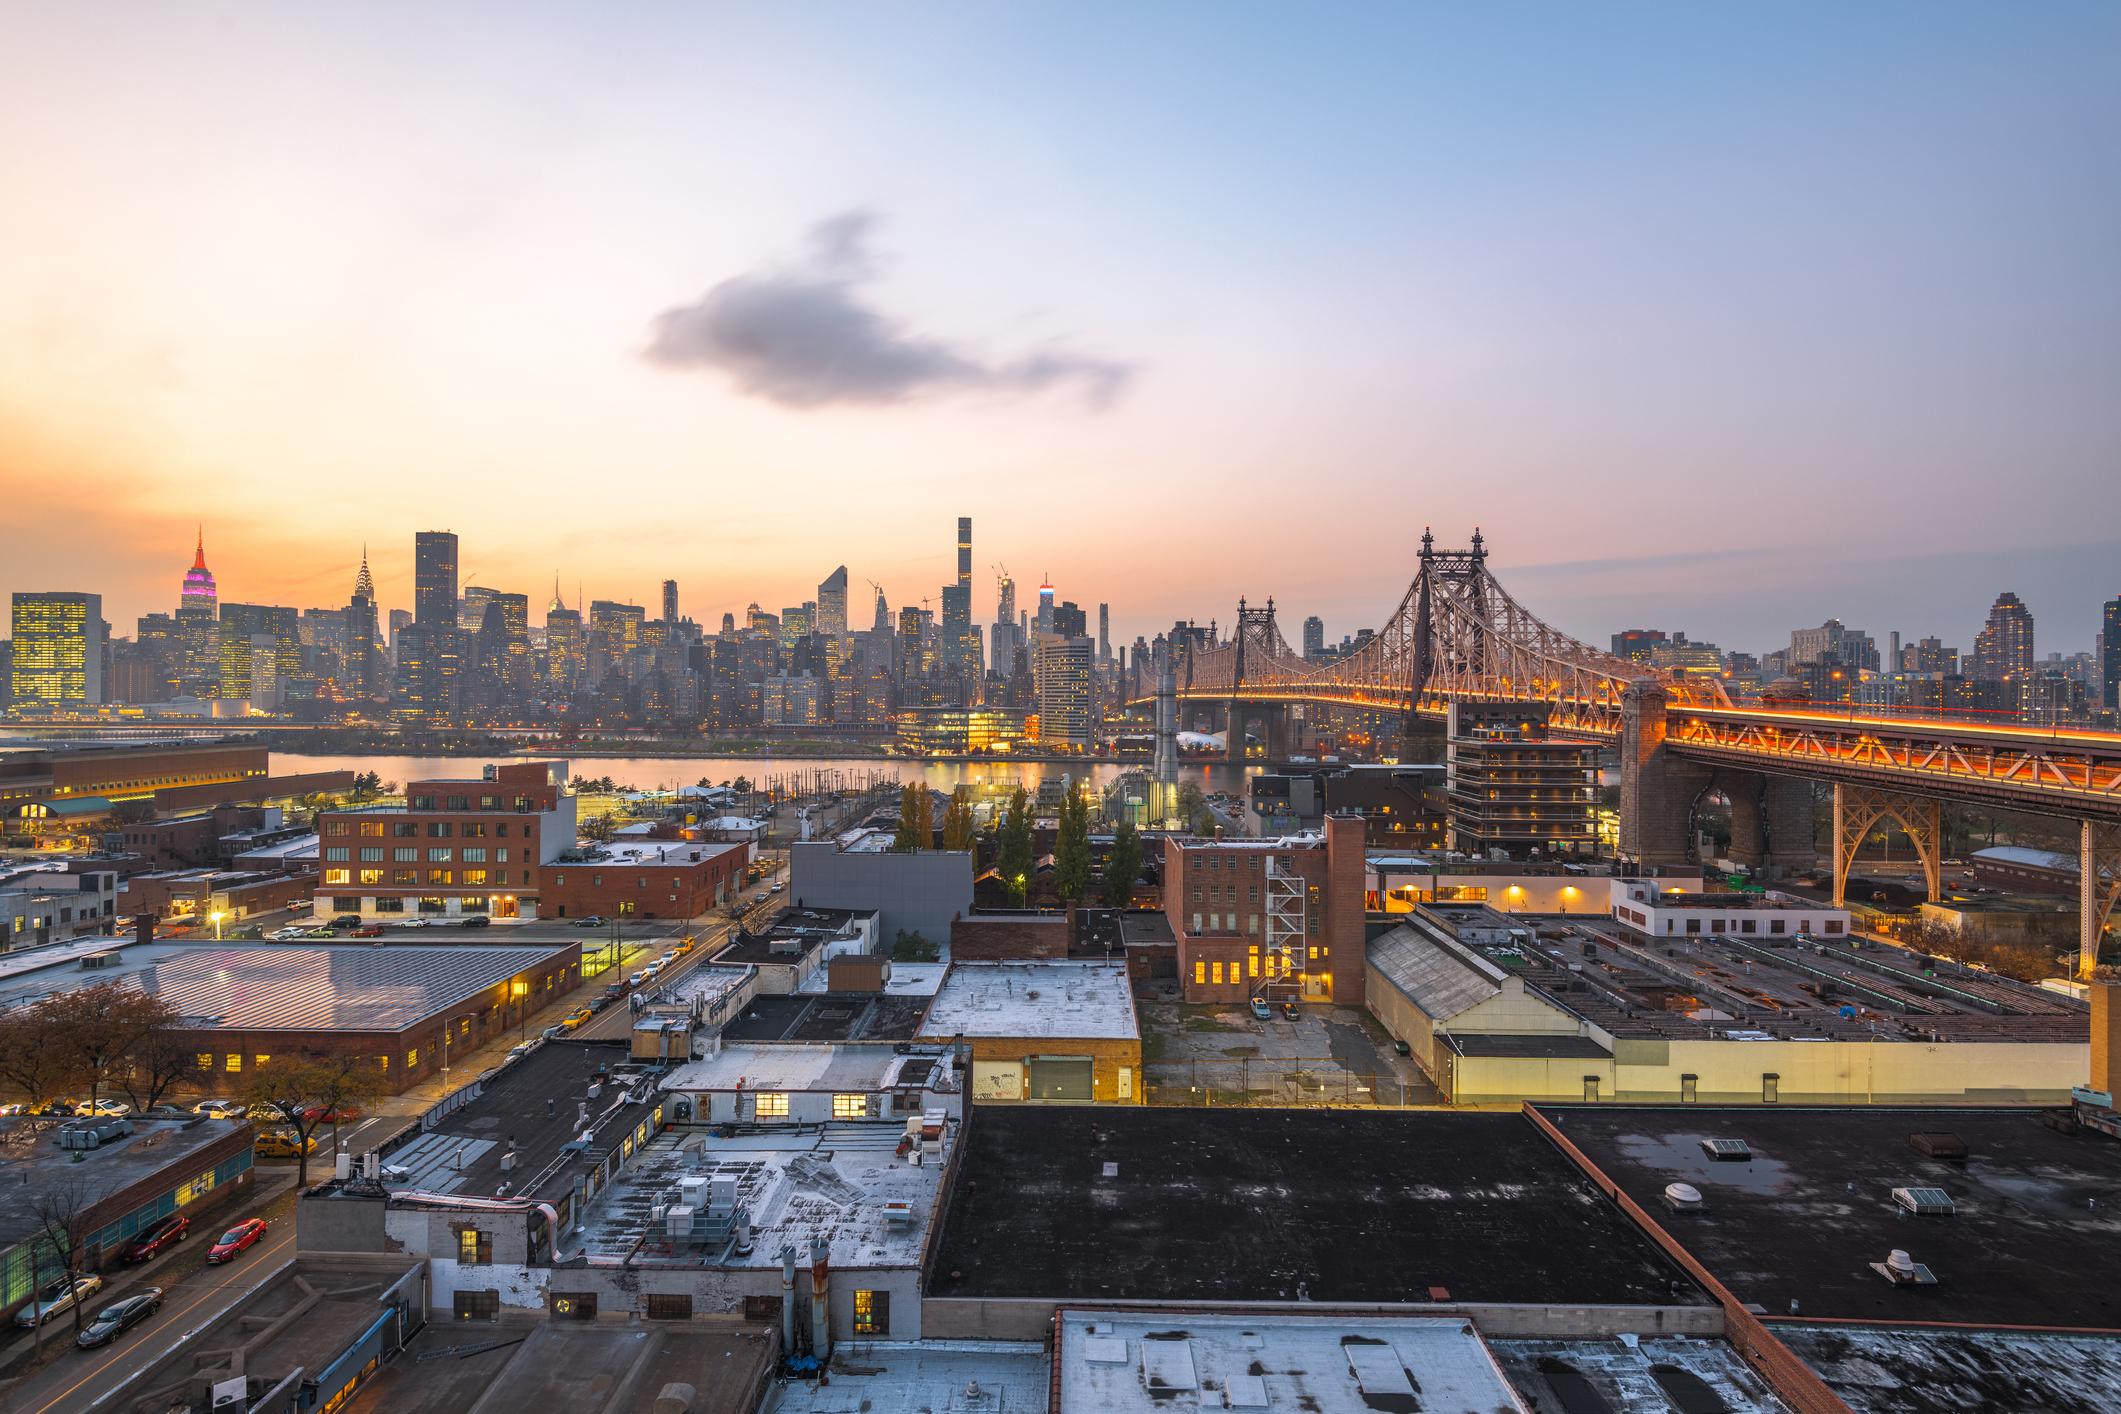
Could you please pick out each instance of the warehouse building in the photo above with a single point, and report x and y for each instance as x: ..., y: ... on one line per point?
x: 1042, y: 1031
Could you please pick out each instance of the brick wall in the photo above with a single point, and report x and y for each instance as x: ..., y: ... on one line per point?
x: 1013, y: 938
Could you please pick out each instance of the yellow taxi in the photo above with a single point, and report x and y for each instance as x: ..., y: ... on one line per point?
x: 282, y: 1144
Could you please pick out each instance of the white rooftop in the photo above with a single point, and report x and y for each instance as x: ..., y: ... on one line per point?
x: 1078, y: 1000
x: 647, y: 853
x: 780, y: 1066
x: 1115, y: 1362
x: 701, y: 987
x: 836, y: 1183
x: 1012, y: 1377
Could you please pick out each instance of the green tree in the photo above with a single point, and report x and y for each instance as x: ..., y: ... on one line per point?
x: 1123, y: 866
x: 957, y: 822
x: 598, y: 828
x: 1071, y: 849
x: 1194, y: 807
x: 1014, y: 863
x: 308, y: 1094
x: 96, y: 1028
x: 913, y: 818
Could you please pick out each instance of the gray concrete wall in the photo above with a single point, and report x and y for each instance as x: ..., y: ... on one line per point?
x: 920, y: 893
x: 341, y: 1225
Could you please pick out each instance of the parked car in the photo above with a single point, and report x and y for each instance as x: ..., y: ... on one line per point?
x: 685, y: 944
x: 1261, y: 1010
x: 639, y: 977
x: 220, y: 1109
x: 576, y: 1017
x: 410, y: 923
x: 286, y: 935
x: 331, y: 1114
x: 282, y: 1144
x: 552, y: 1033
x: 521, y: 1048
x: 57, y: 1298
x: 342, y: 921
x: 152, y: 1242
x: 476, y: 920
x: 669, y: 956
x: 19, y: 1107
x: 52, y: 1107
x: 592, y: 921
x: 244, y: 1234
x: 119, y: 1317
x: 103, y: 1109
x: 369, y: 930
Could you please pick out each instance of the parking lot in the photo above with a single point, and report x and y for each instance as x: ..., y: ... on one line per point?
x: 1225, y: 1055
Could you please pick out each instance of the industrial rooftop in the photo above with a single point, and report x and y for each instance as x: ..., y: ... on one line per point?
x: 1078, y: 1000
x: 844, y: 1016
x: 849, y: 1068
x: 1687, y: 987
x: 288, y: 987
x: 2032, y: 1233
x: 1904, y: 1370
x: 1127, y: 1362
x: 843, y: 1182
x: 31, y: 1161
x: 1126, y: 1203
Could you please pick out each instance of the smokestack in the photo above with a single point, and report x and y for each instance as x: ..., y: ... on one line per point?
x: 820, y: 1300
x: 787, y: 1302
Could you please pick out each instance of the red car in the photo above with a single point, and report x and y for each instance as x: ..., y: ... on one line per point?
x: 154, y: 1241
x: 330, y: 1114
x: 242, y: 1235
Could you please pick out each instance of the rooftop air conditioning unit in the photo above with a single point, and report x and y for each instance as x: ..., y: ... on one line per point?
x: 1941, y: 1145
x: 1727, y: 1150
x: 1924, y: 1202
x: 1903, y: 1270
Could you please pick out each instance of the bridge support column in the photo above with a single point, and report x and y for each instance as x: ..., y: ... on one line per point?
x: 1772, y: 823
x: 1857, y: 809
x: 2098, y: 847
x: 1656, y: 791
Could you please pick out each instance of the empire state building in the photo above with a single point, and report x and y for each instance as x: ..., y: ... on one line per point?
x: 199, y: 591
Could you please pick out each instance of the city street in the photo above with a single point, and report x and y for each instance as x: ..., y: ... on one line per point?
x: 194, y: 1294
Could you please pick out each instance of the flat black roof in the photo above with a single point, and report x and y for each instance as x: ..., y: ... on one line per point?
x: 832, y: 1016
x: 2034, y: 1238
x: 1530, y: 1046
x: 1250, y: 1205
x: 810, y: 926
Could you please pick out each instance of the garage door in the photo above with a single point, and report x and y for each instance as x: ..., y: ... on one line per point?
x: 997, y: 1080
x: 1060, y: 1078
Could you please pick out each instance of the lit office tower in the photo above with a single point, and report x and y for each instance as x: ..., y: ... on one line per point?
x: 58, y: 649
x: 198, y: 591
x: 964, y: 553
x: 1314, y: 636
x: 1004, y: 598
x: 1061, y: 667
x: 2003, y: 650
x: 1043, y: 622
x: 2110, y: 654
x: 434, y: 577
x: 1104, y: 633
x: 961, y: 643
x: 670, y: 601
x: 199, y: 655
x: 832, y: 605
x: 471, y: 609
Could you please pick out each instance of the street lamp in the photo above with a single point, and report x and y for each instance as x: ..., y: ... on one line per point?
x: 215, y: 918
x: 522, y: 996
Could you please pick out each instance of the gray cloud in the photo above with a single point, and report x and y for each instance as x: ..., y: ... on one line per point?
x: 804, y: 336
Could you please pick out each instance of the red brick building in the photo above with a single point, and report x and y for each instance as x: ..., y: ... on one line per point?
x: 1279, y: 918
x: 642, y: 879
x: 456, y: 847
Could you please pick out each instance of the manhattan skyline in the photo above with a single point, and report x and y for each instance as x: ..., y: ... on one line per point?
x: 1172, y: 315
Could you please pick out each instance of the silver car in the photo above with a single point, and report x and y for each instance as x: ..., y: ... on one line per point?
x: 56, y: 1299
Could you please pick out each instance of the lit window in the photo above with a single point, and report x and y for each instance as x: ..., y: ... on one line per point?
x: 872, y: 1313
x: 772, y: 1105
x: 850, y: 1106
x: 233, y: 1062
x: 1215, y: 973
x: 206, y: 1060
x: 1200, y: 972
x: 1252, y: 964
x: 261, y: 1060
x: 412, y: 1059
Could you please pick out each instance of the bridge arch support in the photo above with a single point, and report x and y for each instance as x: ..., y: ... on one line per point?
x: 1857, y: 809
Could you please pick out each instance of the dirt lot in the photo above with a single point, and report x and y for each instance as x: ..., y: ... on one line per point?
x: 1224, y: 1055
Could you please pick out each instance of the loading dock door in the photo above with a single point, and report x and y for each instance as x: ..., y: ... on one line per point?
x: 1061, y: 1078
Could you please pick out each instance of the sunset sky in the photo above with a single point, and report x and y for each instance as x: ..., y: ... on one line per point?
x: 1721, y: 318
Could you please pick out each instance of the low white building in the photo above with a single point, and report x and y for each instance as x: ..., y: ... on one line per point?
x: 1653, y: 908
x: 774, y: 1083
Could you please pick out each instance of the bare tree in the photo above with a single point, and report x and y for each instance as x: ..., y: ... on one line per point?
x: 30, y: 1061
x: 155, y: 1064
x: 97, y: 1027
x: 309, y: 1094
x: 59, y: 1209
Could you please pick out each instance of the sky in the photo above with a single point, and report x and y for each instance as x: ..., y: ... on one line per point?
x: 1718, y: 318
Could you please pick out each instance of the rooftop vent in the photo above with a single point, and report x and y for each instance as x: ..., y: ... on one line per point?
x: 1924, y: 1202
x: 1727, y: 1150
x: 95, y: 960
x: 1683, y: 1198
x: 1903, y: 1270
x: 1943, y: 1146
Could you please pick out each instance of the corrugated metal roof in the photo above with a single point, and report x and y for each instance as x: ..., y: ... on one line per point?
x: 279, y: 987
x: 1430, y: 976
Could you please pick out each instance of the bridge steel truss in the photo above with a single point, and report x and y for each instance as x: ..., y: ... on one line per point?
x: 1457, y: 635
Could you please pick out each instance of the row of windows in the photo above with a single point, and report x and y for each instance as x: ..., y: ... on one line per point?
x: 410, y: 829
x: 410, y: 878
